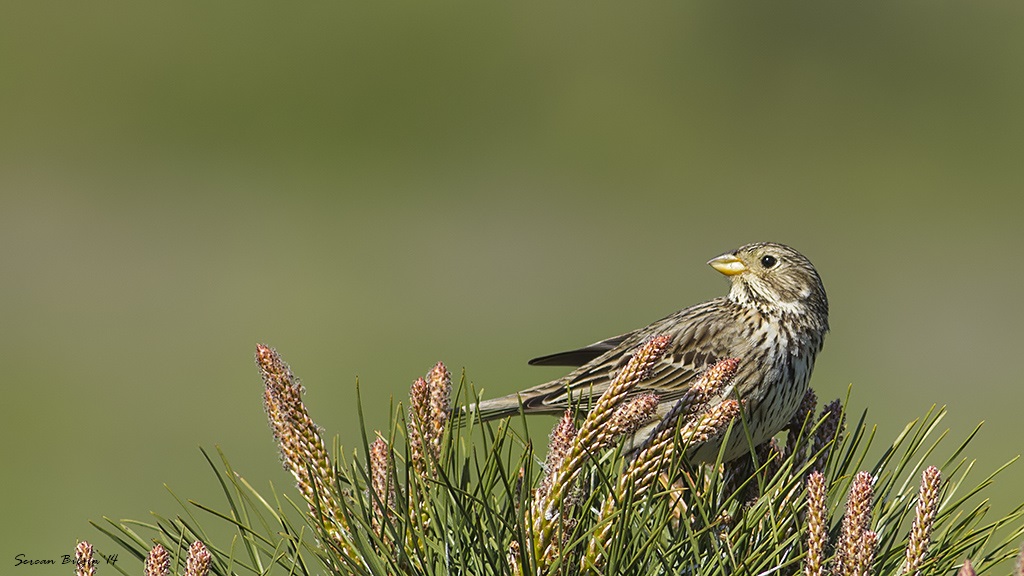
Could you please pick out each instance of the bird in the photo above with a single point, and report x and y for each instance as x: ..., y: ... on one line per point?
x: 773, y: 320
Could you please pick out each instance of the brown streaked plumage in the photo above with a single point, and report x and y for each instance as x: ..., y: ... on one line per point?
x: 774, y: 320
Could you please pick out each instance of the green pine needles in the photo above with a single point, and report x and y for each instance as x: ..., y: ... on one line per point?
x: 438, y: 493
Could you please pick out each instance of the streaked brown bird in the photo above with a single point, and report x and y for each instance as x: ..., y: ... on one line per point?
x: 773, y: 320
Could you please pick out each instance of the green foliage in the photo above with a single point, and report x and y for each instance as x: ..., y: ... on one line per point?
x: 468, y: 510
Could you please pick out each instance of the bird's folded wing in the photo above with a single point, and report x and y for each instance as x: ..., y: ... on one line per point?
x: 580, y: 356
x: 669, y: 378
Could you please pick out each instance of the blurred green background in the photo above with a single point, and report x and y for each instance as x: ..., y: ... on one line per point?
x: 373, y: 188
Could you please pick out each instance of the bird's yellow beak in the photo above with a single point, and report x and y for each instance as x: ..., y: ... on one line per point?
x: 727, y: 264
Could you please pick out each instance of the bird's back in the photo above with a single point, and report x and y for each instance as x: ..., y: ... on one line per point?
x: 701, y: 335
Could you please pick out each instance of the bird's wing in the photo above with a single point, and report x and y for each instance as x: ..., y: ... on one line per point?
x: 696, y: 345
x: 580, y: 356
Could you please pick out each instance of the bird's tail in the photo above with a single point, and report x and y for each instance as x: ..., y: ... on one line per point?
x: 502, y: 407
x: 493, y: 409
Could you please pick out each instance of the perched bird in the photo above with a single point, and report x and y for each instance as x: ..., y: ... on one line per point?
x: 773, y: 320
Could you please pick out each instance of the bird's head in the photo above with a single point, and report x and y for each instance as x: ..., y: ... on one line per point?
x: 775, y: 279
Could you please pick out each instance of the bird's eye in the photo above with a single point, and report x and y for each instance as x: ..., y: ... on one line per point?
x: 768, y: 261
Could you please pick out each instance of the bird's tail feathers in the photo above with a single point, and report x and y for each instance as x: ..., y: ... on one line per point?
x: 493, y: 409
x: 511, y: 405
